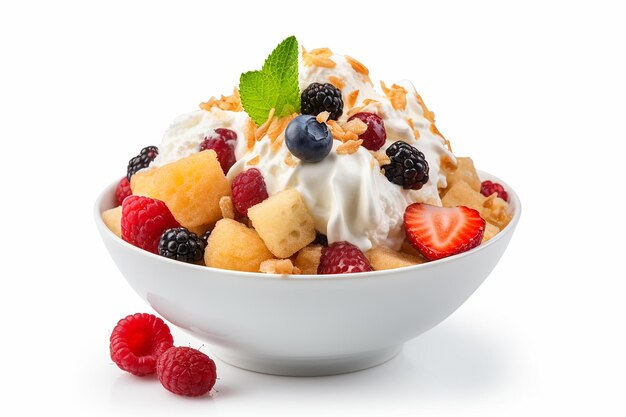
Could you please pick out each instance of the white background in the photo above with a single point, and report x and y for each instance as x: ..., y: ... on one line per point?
x: 534, y: 92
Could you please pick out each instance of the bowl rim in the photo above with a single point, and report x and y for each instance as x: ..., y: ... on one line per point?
x: 514, y: 202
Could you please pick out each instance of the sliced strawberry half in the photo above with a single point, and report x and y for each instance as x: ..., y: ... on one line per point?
x: 439, y: 232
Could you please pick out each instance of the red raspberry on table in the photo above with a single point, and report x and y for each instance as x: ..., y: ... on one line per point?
x: 223, y: 143
x: 186, y: 371
x: 342, y: 258
x: 488, y: 187
x: 248, y: 189
x: 122, y: 191
x: 137, y: 342
x: 144, y: 219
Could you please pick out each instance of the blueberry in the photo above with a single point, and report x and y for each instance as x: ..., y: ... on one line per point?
x: 307, y: 139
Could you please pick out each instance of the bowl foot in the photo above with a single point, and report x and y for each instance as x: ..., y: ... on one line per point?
x: 306, y: 366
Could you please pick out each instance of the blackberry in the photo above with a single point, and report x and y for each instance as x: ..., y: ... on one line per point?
x: 317, y: 98
x: 408, y: 166
x: 141, y: 161
x: 205, y: 237
x: 180, y: 244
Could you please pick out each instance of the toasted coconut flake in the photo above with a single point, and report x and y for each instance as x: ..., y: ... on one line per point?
x: 416, y: 133
x: 349, y: 147
x: 226, y: 206
x: 447, y: 164
x: 279, y: 266
x: 355, y: 110
x: 262, y: 130
x: 231, y: 103
x: 339, y: 133
x: 381, y: 157
x: 254, y: 161
x: 356, y: 126
x: 336, y: 81
x: 396, y: 95
x: 290, y: 161
x: 278, y: 126
x: 357, y: 66
x: 322, y: 117
x: 351, y: 99
x: 430, y: 116
x: 436, y: 131
x: 318, y: 57
x: 278, y: 143
x: 250, y: 132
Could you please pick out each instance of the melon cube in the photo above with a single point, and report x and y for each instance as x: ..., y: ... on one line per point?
x: 190, y: 187
x: 382, y: 258
x: 232, y: 245
x: 112, y: 218
x: 308, y: 259
x: 284, y: 222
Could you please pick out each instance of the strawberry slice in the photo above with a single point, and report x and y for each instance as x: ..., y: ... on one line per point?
x: 439, y: 232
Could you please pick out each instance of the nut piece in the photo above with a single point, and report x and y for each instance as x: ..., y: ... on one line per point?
x: 112, y: 218
x: 226, y: 205
x: 382, y: 258
x: 284, y: 222
x: 279, y: 266
x: 308, y: 259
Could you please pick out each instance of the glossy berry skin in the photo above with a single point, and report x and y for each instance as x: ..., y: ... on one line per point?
x: 248, y: 189
x: 144, y: 220
x: 137, y: 341
x: 488, y: 187
x: 122, y: 191
x: 375, y: 135
x: 317, y: 98
x: 307, y: 139
x: 141, y: 161
x: 408, y: 167
x: 180, y: 244
x: 222, y: 141
x: 186, y: 371
x: 342, y: 258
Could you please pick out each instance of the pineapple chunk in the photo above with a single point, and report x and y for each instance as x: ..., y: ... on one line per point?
x: 190, y: 187
x: 465, y: 172
x: 112, y: 218
x: 284, y: 222
x: 381, y: 258
x: 234, y: 246
x: 308, y: 259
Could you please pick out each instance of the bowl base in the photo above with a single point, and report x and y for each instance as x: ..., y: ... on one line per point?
x: 306, y: 366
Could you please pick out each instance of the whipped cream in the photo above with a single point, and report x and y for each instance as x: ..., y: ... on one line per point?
x: 349, y: 198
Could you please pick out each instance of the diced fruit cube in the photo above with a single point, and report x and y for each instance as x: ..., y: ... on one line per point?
x: 112, y: 218
x: 462, y: 194
x: 381, y: 258
x: 490, y: 231
x: 465, y: 172
x: 190, y: 187
x: 308, y: 259
x: 284, y: 222
x: 234, y: 246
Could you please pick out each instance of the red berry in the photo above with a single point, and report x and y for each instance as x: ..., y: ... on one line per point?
x: 186, y: 371
x: 223, y: 143
x: 438, y: 232
x: 375, y: 135
x: 144, y: 220
x: 487, y: 188
x: 342, y: 258
x: 248, y: 189
x: 122, y: 191
x: 137, y: 342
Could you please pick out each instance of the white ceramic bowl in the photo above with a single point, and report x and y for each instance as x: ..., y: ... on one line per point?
x: 305, y: 325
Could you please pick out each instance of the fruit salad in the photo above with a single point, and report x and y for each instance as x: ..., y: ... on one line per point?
x: 307, y: 168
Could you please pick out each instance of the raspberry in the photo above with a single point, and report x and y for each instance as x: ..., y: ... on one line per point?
x: 488, y: 187
x: 122, y: 191
x: 342, y: 258
x: 186, y: 371
x: 137, y: 342
x: 223, y: 143
x: 317, y: 98
x: 144, y: 219
x: 408, y: 166
x: 248, y: 189
x: 141, y: 161
x: 375, y: 135
x: 182, y: 245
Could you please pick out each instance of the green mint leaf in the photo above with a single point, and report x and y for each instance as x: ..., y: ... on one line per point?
x: 274, y: 86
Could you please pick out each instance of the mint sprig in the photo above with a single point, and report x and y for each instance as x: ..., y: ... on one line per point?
x: 274, y: 86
